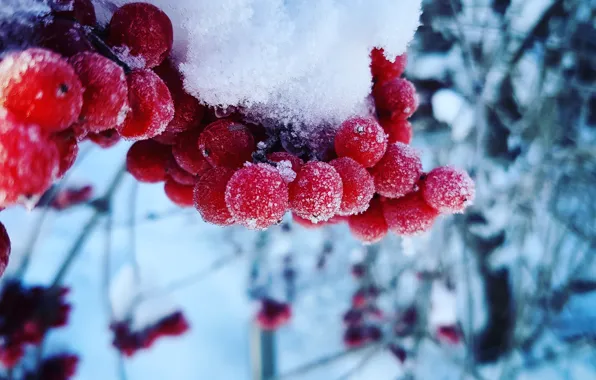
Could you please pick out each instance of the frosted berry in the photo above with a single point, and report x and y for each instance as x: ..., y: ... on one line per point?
x: 397, y: 173
x: 361, y: 139
x: 358, y: 185
x: 188, y: 111
x: 144, y: 29
x: 105, y: 139
x: 81, y: 10
x: 384, y: 70
x: 147, y: 160
x: 152, y: 107
x: 181, y: 195
x: 66, y: 37
x: 273, y: 314
x: 29, y: 160
x: 316, y: 192
x: 180, y: 175
x: 68, y: 148
x: 448, y: 189
x: 227, y: 143
x: 105, y: 96
x: 369, y: 227
x: 257, y: 196
x: 295, y: 164
x: 209, y: 196
x: 396, y: 98
x: 409, y: 215
x: 40, y: 87
x: 398, y: 130
x: 4, y: 249
x: 187, y: 154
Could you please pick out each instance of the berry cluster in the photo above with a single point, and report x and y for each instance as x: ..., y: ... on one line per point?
x: 273, y: 314
x: 130, y: 342
x: 102, y: 85
x: 57, y: 367
x: 26, y: 315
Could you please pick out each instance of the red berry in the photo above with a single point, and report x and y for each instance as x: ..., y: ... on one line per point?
x: 397, y: 173
x: 188, y: 111
x: 355, y: 336
x: 105, y: 139
x: 409, y: 215
x: 40, y: 87
x: 316, y: 192
x: 396, y: 98
x: 448, y: 189
x: 105, y: 96
x: 4, y: 248
x: 180, y: 175
x: 209, y: 196
x: 166, y: 138
x: 369, y: 227
x: 29, y: 160
x: 450, y: 334
x: 295, y: 164
x: 152, y: 107
x: 384, y: 70
x: 68, y: 149
x: 273, y: 314
x: 361, y: 139
x: 146, y: 161
x: 359, y: 186
x: 187, y: 154
x: 257, y: 196
x: 66, y: 37
x: 227, y: 143
x: 180, y: 194
x: 81, y: 10
x: 144, y: 29
x: 398, y: 130
x: 307, y: 223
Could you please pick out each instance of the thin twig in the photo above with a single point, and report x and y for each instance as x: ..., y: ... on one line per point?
x: 363, y: 362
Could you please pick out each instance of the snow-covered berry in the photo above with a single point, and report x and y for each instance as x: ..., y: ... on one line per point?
x: 396, y: 98
x: 370, y: 226
x: 209, y: 196
x: 358, y: 186
x: 361, y: 139
x: 409, y: 215
x: 448, y: 189
x: 397, y: 129
x: 384, y: 70
x: 398, y: 171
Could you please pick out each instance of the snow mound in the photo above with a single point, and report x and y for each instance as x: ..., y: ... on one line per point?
x: 294, y: 61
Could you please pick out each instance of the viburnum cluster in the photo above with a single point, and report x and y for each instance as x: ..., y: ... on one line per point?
x: 130, y: 341
x: 26, y: 316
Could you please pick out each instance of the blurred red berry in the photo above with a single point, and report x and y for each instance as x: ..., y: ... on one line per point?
x: 68, y: 149
x: 273, y: 314
x: 355, y: 336
x: 71, y: 197
x: 105, y: 139
x: 398, y: 130
x: 384, y: 70
x: 180, y: 175
x: 370, y: 226
x: 181, y: 195
x: 450, y: 334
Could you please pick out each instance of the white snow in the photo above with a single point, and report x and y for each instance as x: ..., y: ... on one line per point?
x: 451, y: 108
x: 305, y: 61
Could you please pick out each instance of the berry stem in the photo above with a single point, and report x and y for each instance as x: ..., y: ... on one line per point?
x: 106, y: 51
x: 87, y: 230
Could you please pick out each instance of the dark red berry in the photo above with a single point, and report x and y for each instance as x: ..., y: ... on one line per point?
x: 273, y: 314
x: 68, y: 148
x: 188, y: 155
x: 181, y: 195
x: 384, y: 70
x: 358, y: 185
x: 355, y: 336
x: 396, y: 98
x: 398, y: 130
x: 105, y: 139
x: 369, y: 227
x: 209, y: 196
x: 409, y: 215
x: 146, y: 161
x: 4, y: 249
x: 227, y: 143
x: 144, y: 29
x: 66, y: 37
x: 180, y: 175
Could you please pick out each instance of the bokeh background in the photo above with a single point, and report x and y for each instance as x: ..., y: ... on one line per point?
x: 508, y: 92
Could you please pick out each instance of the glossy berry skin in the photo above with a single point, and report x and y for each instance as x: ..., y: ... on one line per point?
x: 397, y: 173
x: 396, y: 98
x: 40, y: 87
x: 63, y: 36
x: 187, y: 153
x: 384, y: 70
x: 316, y: 192
x: 358, y: 185
x: 166, y: 138
x: 409, y: 215
x: 105, y: 96
x: 369, y: 227
x: 209, y: 196
x: 146, y: 161
x: 398, y: 130
x: 181, y: 195
x: 4, y: 249
x: 105, y: 139
x: 448, y: 189
x: 151, y: 106
x: 81, y: 10
x: 257, y: 196
x: 29, y: 161
x: 68, y: 149
x: 144, y: 29
x: 188, y: 111
x: 361, y: 139
x: 180, y: 175
x: 227, y: 143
